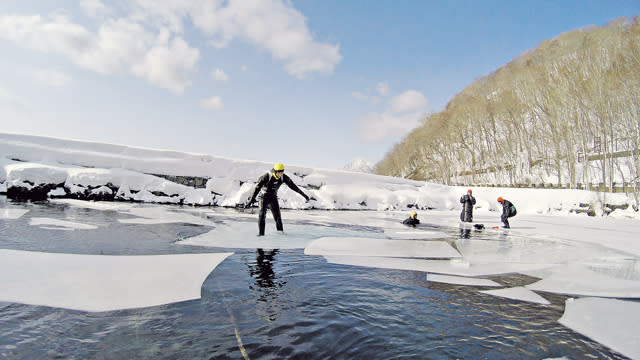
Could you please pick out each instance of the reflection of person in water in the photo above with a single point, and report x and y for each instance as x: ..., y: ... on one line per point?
x: 267, y: 283
x: 465, y: 233
x: 263, y: 272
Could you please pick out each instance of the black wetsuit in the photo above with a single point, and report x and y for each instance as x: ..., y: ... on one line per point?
x: 467, y: 202
x: 268, y: 186
x: 508, y: 210
x: 411, y: 221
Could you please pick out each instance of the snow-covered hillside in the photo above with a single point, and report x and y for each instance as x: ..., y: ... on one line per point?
x: 32, y: 166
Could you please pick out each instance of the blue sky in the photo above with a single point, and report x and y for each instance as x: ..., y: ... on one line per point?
x: 309, y: 83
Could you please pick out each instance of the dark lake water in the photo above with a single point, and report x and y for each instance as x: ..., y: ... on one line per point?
x: 276, y: 304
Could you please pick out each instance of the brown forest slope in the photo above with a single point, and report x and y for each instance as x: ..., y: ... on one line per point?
x: 569, y: 111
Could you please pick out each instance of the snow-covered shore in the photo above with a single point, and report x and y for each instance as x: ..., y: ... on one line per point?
x: 33, y: 166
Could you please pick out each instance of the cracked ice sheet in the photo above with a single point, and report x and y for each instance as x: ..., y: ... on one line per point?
x: 518, y: 293
x: 55, y: 224
x: 580, y: 280
x: 530, y: 250
x: 243, y: 235
x: 459, y: 267
x: 102, y: 283
x: 459, y: 280
x: 12, y: 214
x: 611, y: 322
x: 359, y: 246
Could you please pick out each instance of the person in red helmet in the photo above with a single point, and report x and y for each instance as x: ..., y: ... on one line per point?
x: 268, y: 185
x: 508, y: 210
x: 467, y: 202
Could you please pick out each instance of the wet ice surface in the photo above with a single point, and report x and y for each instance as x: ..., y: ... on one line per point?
x: 283, y: 303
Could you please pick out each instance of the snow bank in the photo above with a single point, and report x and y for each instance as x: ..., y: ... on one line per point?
x: 50, y: 168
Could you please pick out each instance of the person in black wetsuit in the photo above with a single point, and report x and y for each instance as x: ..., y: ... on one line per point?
x: 508, y: 210
x: 412, y: 220
x: 467, y: 202
x: 268, y: 185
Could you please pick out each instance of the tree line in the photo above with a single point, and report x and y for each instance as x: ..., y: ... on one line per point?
x: 567, y: 112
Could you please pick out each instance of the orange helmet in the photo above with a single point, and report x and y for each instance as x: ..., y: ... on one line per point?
x: 500, y: 200
x: 469, y: 191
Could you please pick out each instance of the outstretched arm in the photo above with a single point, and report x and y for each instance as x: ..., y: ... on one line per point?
x: 287, y: 180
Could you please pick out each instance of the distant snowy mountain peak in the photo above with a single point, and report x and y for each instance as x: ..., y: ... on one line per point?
x: 359, y: 165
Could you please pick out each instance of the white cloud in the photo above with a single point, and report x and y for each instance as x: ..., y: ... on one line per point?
x: 219, y: 75
x: 383, y: 88
x: 273, y: 25
x: 404, y: 112
x: 375, y: 127
x: 360, y: 96
x: 149, y: 40
x: 51, y: 77
x: 168, y: 65
x: 120, y: 45
x: 94, y: 8
x: 408, y: 101
x: 212, y: 103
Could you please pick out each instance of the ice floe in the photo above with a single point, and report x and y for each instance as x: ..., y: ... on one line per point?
x: 414, y: 234
x: 608, y: 321
x: 518, y: 293
x: 460, y: 280
x: 12, y: 214
x: 381, y: 247
x: 581, y: 280
x: 55, y: 224
x: 459, y: 266
x: 102, y: 283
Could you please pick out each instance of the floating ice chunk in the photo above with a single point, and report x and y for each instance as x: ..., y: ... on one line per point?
x: 380, y: 247
x: 162, y: 215
x: 12, y: 214
x: 414, y: 234
x: 611, y: 322
x: 244, y: 236
x: 450, y: 267
x: 94, y: 205
x: 459, y: 280
x: 102, y: 283
x: 518, y: 293
x: 55, y: 224
x: 579, y: 280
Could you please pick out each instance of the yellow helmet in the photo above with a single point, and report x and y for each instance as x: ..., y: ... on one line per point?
x: 278, y: 167
x: 413, y: 214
